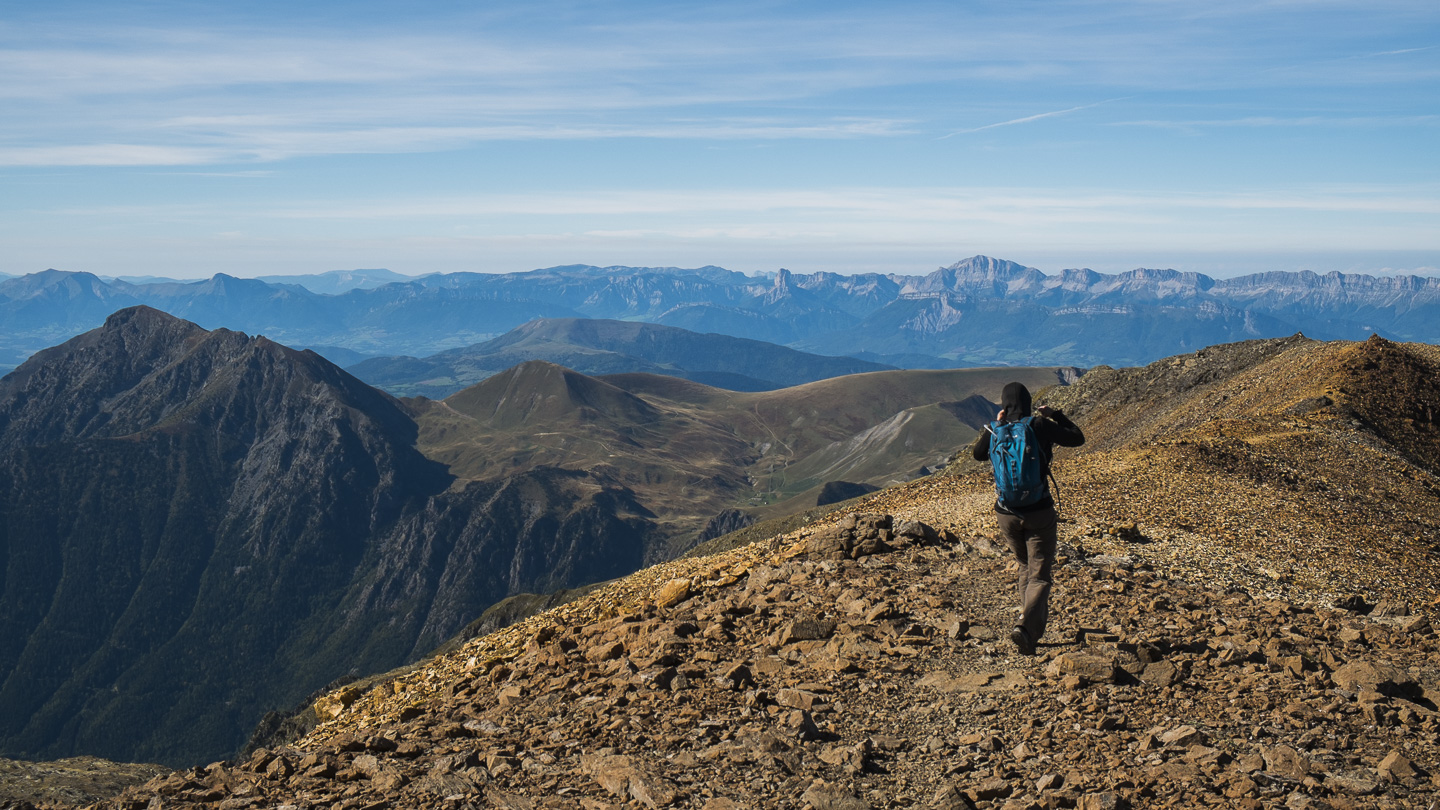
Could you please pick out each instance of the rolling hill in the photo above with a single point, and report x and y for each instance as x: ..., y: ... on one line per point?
x: 689, y: 451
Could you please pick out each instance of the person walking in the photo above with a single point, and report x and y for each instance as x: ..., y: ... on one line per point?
x: 1019, y: 446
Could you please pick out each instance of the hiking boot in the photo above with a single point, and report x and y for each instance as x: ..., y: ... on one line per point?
x: 1022, y: 640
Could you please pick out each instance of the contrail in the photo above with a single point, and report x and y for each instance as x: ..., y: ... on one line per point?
x: 1030, y: 118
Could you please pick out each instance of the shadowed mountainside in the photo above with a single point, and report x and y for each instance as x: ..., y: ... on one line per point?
x: 199, y: 526
x: 180, y: 501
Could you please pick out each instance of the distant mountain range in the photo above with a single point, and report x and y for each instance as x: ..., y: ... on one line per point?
x: 333, y: 282
x: 199, y: 526
x: 980, y: 311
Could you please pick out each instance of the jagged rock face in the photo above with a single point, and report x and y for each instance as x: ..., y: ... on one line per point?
x: 727, y: 521
x: 197, y: 526
x: 440, y: 568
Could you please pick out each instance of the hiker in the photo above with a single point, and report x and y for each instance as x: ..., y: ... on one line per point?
x: 1024, y: 506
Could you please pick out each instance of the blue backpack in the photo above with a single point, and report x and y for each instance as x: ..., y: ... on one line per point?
x: 1016, y: 455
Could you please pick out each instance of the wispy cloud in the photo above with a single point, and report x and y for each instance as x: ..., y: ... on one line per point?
x: 190, y: 88
x: 175, y: 97
x: 108, y: 154
x: 274, y: 144
x: 1038, y: 206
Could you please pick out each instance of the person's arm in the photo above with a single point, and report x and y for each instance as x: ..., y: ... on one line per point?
x: 980, y: 450
x: 1059, y: 429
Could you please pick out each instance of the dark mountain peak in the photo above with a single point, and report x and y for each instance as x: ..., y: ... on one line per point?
x: 217, y: 492
x: 540, y: 375
x: 147, y: 320
x: 65, y: 391
x: 223, y: 282
x: 541, y: 393
x: 144, y: 369
x: 51, y: 275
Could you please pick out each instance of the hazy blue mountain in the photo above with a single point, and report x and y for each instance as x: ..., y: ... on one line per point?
x: 144, y: 279
x: 54, y: 302
x: 338, y: 355
x: 980, y: 310
x: 339, y: 281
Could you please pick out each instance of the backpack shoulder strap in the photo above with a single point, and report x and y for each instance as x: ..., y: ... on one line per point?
x: 1049, y: 468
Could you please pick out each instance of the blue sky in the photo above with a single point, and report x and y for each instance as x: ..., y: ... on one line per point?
x: 185, y: 139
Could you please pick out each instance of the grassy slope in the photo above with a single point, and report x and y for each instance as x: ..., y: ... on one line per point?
x: 689, y: 450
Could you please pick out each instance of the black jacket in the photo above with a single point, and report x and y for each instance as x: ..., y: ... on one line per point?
x: 1049, y: 431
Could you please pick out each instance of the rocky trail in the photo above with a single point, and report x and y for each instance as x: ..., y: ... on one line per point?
x: 863, y: 663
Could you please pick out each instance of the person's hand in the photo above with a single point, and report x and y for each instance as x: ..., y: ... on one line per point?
x: 1045, y: 411
x: 1000, y: 417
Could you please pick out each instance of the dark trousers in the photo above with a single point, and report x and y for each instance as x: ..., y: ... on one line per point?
x: 1032, y: 538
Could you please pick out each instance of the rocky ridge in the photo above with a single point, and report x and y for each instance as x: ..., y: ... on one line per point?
x: 1287, y: 465
x: 861, y: 661
x: 859, y: 665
